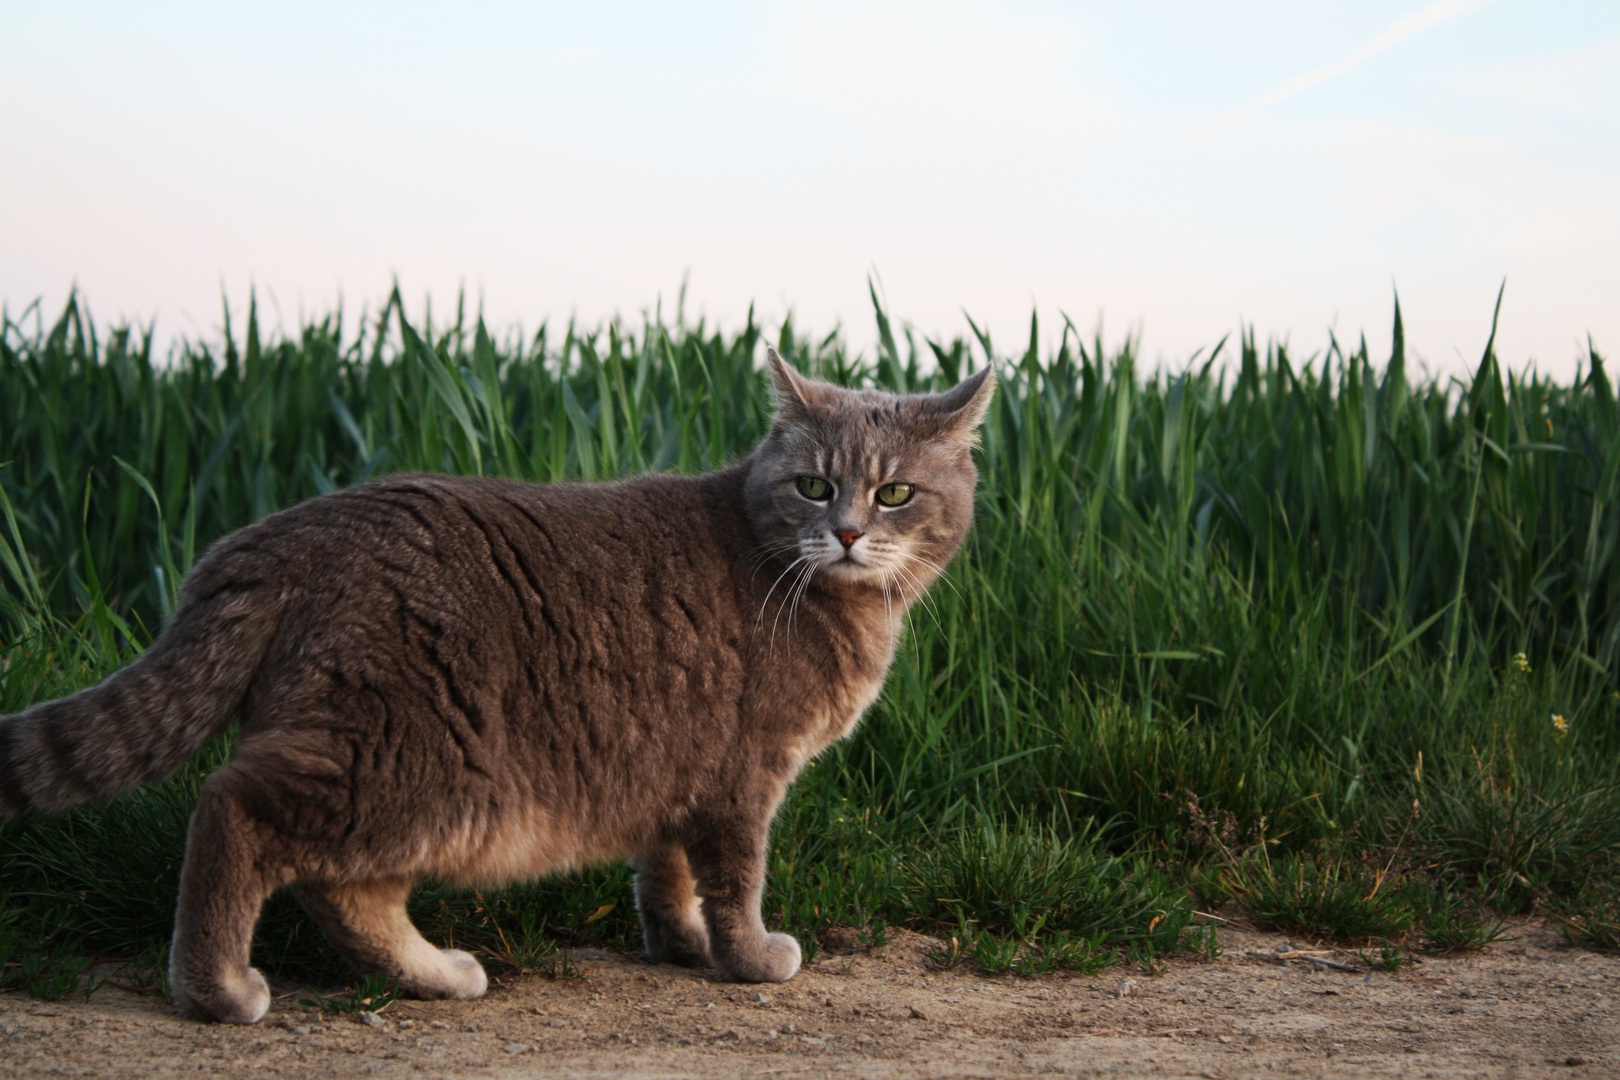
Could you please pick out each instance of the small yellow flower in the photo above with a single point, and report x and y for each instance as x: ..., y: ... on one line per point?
x: 1560, y: 724
x: 1521, y: 662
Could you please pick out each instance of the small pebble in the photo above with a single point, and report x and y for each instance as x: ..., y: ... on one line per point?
x: 917, y: 1014
x: 406, y: 1025
x: 300, y: 1029
x: 762, y: 997
x: 438, y: 1025
x: 515, y: 1048
x: 554, y: 1022
x: 368, y: 1018
x: 1124, y: 989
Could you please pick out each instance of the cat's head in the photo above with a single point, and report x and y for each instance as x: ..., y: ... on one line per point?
x: 866, y: 486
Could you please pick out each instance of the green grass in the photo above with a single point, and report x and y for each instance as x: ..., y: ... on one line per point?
x: 1288, y: 592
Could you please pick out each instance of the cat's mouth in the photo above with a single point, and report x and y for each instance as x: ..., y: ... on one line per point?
x: 849, y: 566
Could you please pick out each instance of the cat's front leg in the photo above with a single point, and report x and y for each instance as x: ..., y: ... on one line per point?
x: 728, y: 859
x: 671, y: 917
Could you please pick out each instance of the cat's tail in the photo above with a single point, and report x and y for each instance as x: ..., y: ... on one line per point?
x: 144, y: 720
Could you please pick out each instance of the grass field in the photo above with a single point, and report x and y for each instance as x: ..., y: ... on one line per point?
x: 1319, y: 636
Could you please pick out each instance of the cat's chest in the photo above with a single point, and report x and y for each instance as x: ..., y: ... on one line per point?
x: 847, y: 688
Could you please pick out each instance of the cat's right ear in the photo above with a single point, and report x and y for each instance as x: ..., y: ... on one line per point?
x: 795, y: 394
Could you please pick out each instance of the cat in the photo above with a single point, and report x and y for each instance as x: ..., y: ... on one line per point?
x: 482, y: 680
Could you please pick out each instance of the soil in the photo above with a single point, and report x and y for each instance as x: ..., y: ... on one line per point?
x: 1528, y: 1007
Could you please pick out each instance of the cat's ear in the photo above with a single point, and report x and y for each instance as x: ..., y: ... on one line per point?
x: 795, y: 395
x: 963, y: 406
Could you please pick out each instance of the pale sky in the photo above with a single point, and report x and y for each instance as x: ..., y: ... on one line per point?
x: 1181, y: 169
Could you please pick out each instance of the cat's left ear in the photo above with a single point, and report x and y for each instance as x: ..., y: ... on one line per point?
x: 963, y: 406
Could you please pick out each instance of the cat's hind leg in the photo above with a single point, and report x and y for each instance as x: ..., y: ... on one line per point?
x: 728, y: 858
x: 229, y: 872
x: 367, y: 921
x: 671, y: 914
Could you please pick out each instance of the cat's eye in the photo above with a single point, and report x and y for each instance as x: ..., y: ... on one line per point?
x: 895, y: 494
x: 814, y: 488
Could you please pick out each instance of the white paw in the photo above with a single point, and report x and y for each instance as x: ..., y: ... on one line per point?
x: 775, y: 959
x: 783, y: 950
x: 255, y: 999
x: 237, y: 999
x: 464, y: 975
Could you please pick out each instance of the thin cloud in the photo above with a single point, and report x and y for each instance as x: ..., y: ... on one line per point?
x: 1398, y: 31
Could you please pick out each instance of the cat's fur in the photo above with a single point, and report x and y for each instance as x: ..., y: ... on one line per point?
x: 481, y: 680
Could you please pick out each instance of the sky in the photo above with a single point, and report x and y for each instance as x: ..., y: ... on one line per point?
x: 1171, y: 170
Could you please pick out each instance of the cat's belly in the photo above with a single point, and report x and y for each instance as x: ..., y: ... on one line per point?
x: 520, y: 846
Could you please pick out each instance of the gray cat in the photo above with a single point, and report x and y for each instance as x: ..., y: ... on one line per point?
x: 481, y: 680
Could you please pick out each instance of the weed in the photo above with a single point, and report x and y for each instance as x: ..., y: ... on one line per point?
x: 1453, y: 920
x: 1019, y: 882
x: 946, y: 955
x: 1061, y: 950
x: 1591, y: 915
x: 148, y: 972
x: 50, y: 972
x: 1324, y: 896
x: 1388, y: 957
x: 374, y: 993
x: 874, y: 936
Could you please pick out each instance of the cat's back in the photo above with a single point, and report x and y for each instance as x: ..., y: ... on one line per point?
x: 435, y: 529
x: 478, y: 587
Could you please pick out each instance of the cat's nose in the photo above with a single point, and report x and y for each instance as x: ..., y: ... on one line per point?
x: 847, y: 537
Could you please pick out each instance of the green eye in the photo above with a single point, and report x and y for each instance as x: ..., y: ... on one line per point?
x: 815, y: 488
x: 894, y: 494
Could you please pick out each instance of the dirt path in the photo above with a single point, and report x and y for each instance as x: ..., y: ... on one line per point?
x: 1526, y: 1008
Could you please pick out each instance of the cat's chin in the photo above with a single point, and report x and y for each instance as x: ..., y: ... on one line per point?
x: 852, y: 572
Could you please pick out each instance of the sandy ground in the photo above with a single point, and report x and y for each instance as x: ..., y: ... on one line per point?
x: 1529, y: 1007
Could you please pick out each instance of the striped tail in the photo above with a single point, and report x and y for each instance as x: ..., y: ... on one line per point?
x: 146, y: 719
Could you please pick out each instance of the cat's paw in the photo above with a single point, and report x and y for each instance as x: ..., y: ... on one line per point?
x: 686, y: 946
x: 456, y: 975
x: 773, y: 958
x: 231, y: 998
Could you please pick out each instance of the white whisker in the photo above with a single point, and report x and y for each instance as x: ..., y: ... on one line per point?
x: 791, y: 601
x: 763, y: 604
x: 888, y: 609
x: 765, y: 552
x: 922, y: 596
x: 939, y: 572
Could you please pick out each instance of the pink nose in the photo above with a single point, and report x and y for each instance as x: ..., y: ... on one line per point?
x: 847, y: 537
